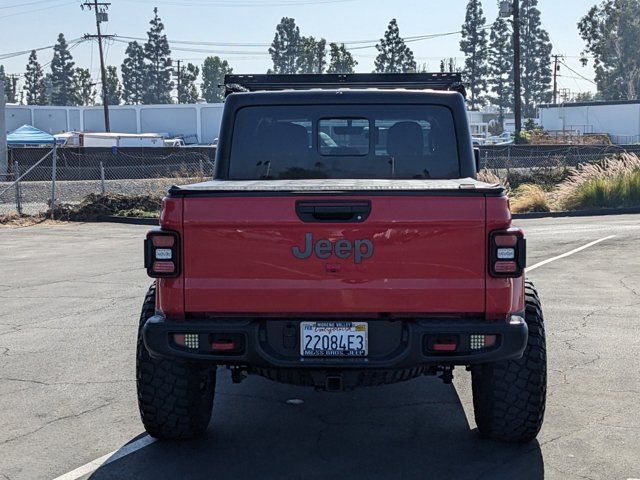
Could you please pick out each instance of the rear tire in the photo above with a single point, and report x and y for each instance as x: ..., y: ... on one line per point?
x: 175, y: 398
x: 509, y: 397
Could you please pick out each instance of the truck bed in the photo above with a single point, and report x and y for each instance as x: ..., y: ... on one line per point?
x: 370, y: 186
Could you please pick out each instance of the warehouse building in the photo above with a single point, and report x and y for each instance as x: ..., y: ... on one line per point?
x: 620, y: 119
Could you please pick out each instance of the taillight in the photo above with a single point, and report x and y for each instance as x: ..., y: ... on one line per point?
x: 507, y: 253
x: 162, y: 254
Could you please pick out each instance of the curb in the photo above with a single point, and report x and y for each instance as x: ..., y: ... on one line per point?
x: 129, y: 220
x: 578, y: 213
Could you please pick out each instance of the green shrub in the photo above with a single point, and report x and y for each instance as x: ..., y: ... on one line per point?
x: 620, y: 191
x: 613, y: 183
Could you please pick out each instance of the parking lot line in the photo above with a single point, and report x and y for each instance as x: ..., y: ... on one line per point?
x: 108, y: 458
x: 575, y: 250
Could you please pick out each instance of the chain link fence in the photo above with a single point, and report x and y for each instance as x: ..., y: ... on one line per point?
x: 38, y: 175
x: 68, y: 175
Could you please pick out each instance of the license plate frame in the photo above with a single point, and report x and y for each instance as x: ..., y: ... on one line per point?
x: 351, y: 339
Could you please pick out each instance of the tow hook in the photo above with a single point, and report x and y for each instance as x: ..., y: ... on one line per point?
x: 447, y: 374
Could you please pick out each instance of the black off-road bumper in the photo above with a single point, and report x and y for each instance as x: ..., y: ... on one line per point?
x: 393, y: 344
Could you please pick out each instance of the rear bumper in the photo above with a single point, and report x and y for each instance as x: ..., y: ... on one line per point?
x: 274, y: 343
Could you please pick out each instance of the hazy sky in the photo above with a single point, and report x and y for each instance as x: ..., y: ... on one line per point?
x: 36, y: 23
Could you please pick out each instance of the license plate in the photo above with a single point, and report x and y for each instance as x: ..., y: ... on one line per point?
x: 333, y: 339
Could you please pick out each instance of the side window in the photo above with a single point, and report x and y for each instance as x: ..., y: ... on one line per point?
x: 343, y: 136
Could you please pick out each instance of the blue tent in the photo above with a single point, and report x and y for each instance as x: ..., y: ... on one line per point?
x: 28, y: 135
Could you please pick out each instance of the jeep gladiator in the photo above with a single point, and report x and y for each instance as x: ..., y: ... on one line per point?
x: 343, y: 242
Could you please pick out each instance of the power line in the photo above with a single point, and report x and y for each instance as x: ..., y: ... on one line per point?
x: 37, y: 10
x: 578, y: 74
x: 27, y: 52
x: 238, y: 3
x: 25, y: 4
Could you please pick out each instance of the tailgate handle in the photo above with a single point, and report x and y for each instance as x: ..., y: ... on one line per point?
x: 310, y: 211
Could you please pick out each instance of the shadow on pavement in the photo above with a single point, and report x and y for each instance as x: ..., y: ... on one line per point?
x: 405, y: 431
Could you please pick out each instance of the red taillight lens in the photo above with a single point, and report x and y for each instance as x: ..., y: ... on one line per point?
x: 162, y: 254
x: 507, y: 253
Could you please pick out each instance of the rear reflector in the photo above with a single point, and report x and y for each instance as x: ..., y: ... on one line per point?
x: 444, y: 347
x: 223, y: 346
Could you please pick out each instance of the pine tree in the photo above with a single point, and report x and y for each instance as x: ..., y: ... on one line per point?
x: 285, y: 47
x: 83, y: 87
x: 449, y: 65
x: 536, y: 59
x: 501, y: 67
x: 213, y: 71
x: 114, y: 88
x: 312, y: 55
x: 394, y: 56
x: 134, y: 74
x: 62, y: 70
x: 341, y: 60
x: 34, y: 82
x: 474, y: 47
x: 10, y: 85
x: 187, y: 90
x: 48, y: 87
x: 158, y: 85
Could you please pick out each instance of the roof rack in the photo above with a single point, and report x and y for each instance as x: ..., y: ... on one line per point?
x: 414, y: 81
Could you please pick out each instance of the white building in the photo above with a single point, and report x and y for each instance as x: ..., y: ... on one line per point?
x: 197, y: 123
x: 621, y: 119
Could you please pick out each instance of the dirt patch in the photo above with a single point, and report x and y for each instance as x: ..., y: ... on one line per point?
x: 13, y: 220
x: 94, y: 206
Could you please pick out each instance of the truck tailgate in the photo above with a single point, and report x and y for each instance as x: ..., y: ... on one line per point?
x: 417, y: 254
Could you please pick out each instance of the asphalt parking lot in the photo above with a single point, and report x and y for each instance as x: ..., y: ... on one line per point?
x: 71, y: 296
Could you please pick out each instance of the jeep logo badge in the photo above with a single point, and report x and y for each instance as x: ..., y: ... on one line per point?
x: 343, y: 249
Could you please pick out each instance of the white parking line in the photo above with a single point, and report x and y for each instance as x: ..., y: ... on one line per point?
x: 147, y: 440
x: 576, y: 250
x: 107, y: 459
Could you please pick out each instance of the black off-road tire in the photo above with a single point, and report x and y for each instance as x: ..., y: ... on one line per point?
x: 175, y: 398
x: 509, y: 397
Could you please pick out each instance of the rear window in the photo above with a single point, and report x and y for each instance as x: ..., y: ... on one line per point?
x: 344, y: 141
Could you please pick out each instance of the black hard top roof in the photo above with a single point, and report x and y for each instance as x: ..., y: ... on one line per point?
x: 411, y: 81
x: 346, y: 97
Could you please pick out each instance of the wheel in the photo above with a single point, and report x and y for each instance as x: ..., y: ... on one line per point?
x: 509, y: 397
x: 175, y: 398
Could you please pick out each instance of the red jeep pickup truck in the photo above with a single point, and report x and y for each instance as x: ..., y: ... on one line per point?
x: 343, y: 242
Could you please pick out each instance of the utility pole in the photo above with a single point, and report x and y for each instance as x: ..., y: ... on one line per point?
x: 556, y: 68
x: 517, y: 106
x: 4, y: 161
x: 100, y: 9
x: 179, y: 75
